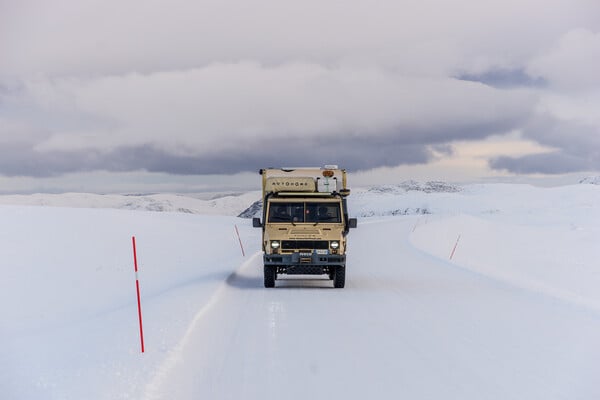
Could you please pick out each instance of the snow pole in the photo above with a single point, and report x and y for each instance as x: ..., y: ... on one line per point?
x: 240, y: 240
x: 416, y: 224
x: 419, y: 223
x: 137, y: 286
x: 454, y: 249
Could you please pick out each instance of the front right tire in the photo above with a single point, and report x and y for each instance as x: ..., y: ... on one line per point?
x: 339, y: 277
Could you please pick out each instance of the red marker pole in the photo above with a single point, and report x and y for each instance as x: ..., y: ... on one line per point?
x: 454, y: 249
x: 240, y: 240
x: 137, y: 286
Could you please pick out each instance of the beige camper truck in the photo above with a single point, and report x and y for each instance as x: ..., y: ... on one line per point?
x: 305, y: 223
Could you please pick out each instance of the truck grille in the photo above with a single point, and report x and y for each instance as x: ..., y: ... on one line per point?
x: 304, y: 232
x: 304, y: 244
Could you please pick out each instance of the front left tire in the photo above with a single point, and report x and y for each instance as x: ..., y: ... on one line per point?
x: 270, y: 273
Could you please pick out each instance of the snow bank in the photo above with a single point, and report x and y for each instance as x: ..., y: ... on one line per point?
x: 69, y: 326
x: 544, y: 240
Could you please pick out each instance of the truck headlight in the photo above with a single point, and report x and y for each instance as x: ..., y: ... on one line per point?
x: 335, y: 245
x: 275, y: 244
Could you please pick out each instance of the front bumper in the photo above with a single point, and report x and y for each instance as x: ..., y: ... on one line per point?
x: 304, y: 263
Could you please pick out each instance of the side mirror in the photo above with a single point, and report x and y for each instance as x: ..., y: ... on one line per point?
x: 256, y: 223
x: 352, y: 223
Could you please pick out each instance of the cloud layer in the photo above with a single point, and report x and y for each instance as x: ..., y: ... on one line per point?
x: 220, y: 87
x: 229, y: 118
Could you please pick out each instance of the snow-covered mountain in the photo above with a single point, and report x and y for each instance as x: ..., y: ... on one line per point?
x: 373, y: 195
x: 408, y: 198
x: 255, y: 210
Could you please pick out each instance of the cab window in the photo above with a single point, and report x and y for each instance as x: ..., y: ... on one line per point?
x: 304, y: 212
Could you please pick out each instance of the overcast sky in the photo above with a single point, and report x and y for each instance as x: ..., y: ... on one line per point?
x: 194, y: 95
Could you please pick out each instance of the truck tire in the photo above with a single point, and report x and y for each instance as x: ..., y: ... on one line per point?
x: 270, y: 273
x: 339, y: 277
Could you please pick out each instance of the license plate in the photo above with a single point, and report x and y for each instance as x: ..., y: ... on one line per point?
x: 322, y: 252
x: 305, y: 254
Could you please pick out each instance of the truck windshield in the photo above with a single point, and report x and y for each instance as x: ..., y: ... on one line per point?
x: 305, y: 212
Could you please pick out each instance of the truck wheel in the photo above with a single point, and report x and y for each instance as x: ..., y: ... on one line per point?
x: 270, y: 272
x: 339, y: 277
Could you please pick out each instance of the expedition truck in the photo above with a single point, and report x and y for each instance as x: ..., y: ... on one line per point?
x: 304, y: 223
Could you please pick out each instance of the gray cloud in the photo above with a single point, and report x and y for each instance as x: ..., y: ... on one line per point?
x: 573, y: 136
x: 194, y: 88
x: 577, y: 144
x: 505, y: 78
x: 365, y: 117
x: 572, y: 63
x: 22, y: 160
x: 66, y: 38
x: 545, y: 163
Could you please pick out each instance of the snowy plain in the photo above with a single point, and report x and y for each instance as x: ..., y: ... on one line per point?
x: 514, y: 314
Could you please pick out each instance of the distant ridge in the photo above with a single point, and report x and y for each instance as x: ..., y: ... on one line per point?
x: 404, y: 199
x: 591, y: 180
x: 407, y: 186
x: 223, y: 205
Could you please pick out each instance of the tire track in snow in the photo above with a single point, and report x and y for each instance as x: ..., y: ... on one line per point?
x: 155, y: 388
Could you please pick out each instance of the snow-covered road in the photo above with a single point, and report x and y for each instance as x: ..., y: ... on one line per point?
x: 407, y: 325
x: 514, y: 315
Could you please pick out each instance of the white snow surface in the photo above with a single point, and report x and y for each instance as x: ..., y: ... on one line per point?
x: 488, y: 292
